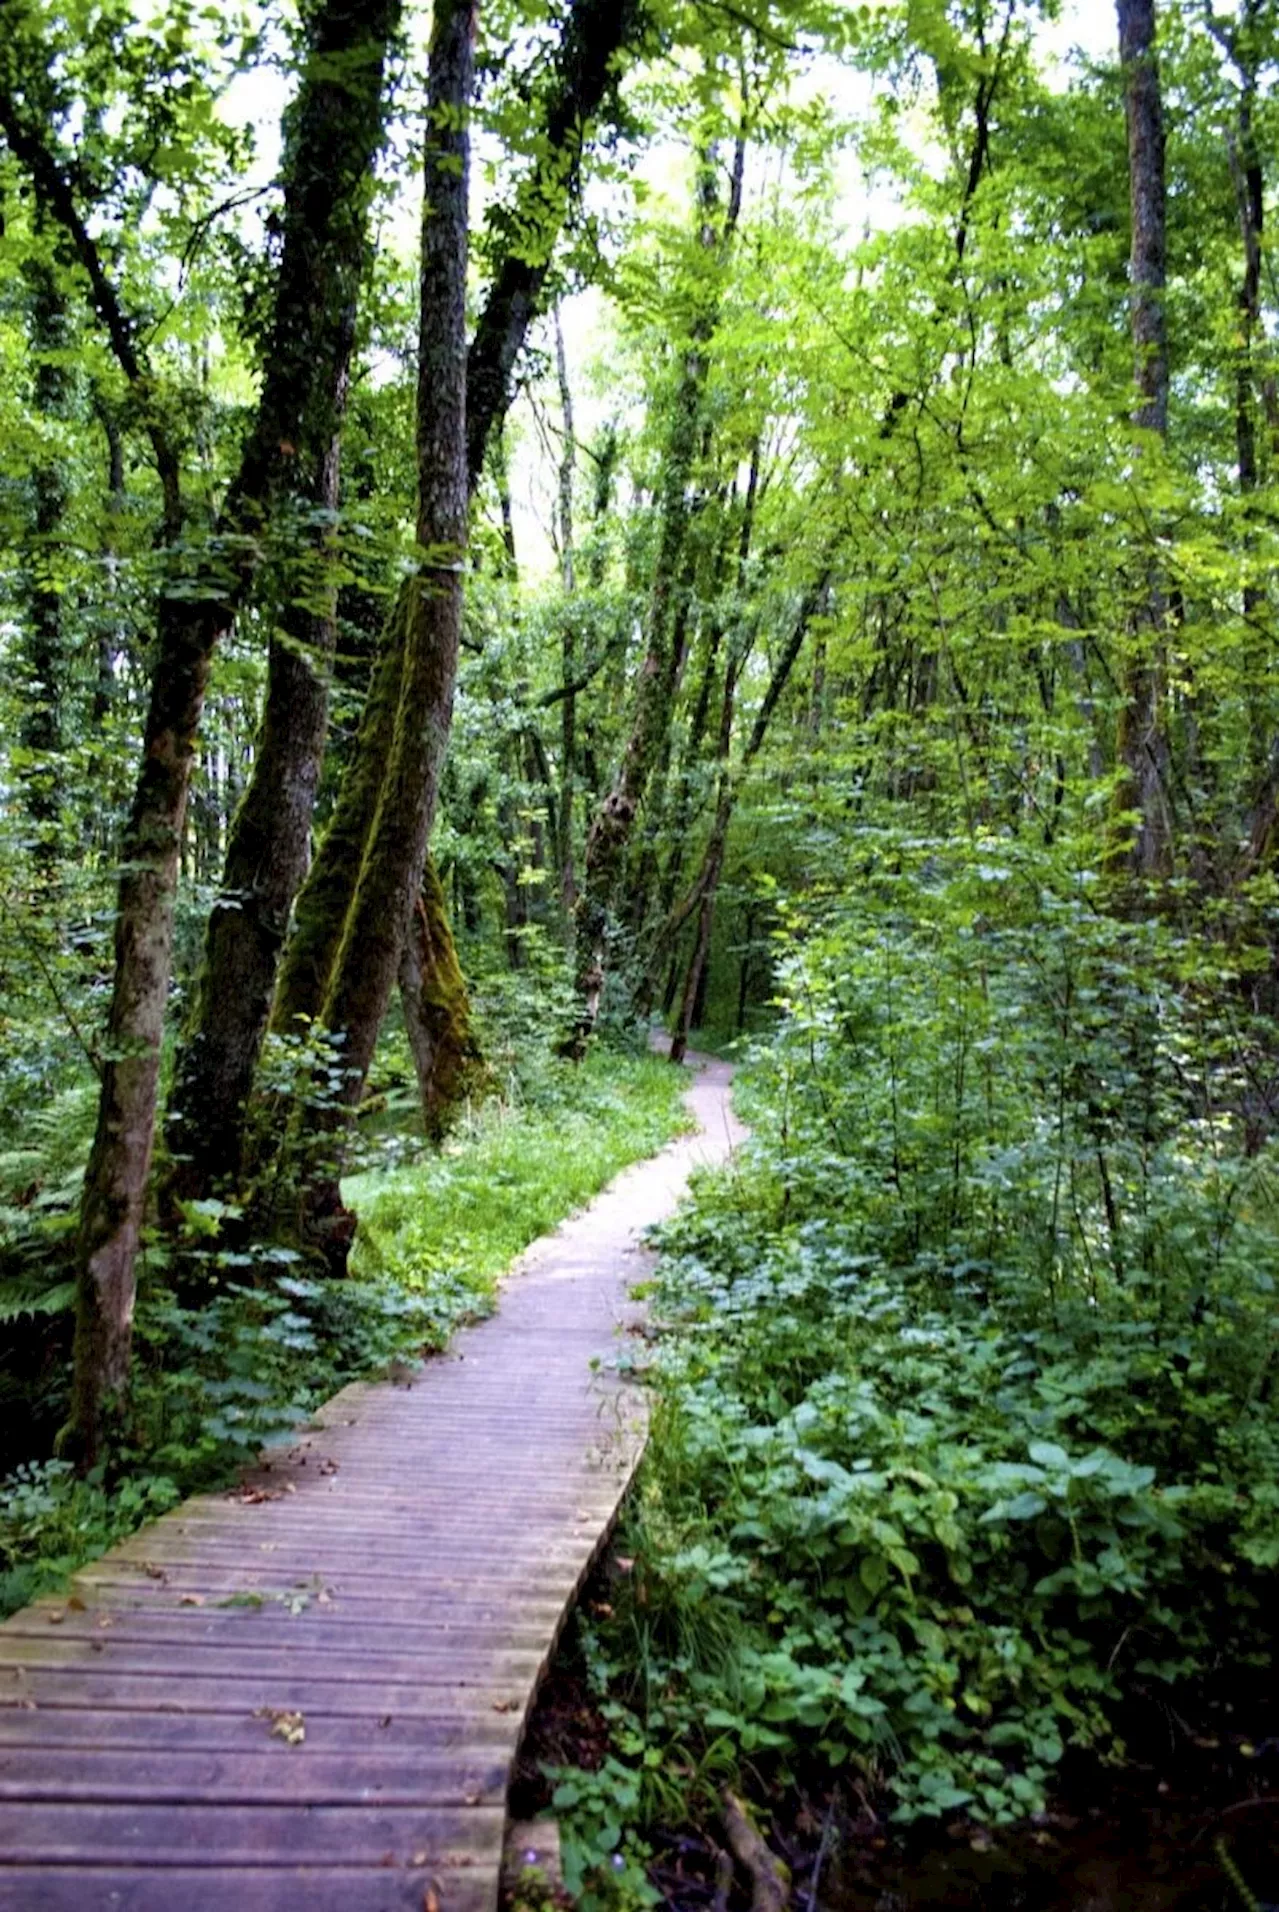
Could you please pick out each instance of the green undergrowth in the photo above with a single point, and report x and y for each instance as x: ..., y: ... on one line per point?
x: 963, y: 1447
x: 218, y: 1380
x: 513, y: 1172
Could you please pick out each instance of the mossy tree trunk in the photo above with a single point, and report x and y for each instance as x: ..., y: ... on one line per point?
x: 368, y: 958
x: 437, y: 1013
x: 327, y: 221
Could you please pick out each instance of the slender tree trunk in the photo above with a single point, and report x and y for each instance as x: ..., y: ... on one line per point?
x: 1143, y: 747
x: 568, y: 657
x: 702, y: 896
x: 654, y: 691
x: 41, y: 728
x: 1246, y: 44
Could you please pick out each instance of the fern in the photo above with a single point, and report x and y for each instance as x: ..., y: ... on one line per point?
x: 32, y: 1292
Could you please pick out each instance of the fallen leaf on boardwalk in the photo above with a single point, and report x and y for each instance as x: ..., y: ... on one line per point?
x: 505, y: 1706
x: 56, y: 1619
x: 75, y: 1604
x: 105, y: 1620
x: 191, y: 1600
x: 329, y: 1467
x: 419, y: 1858
x: 153, y: 1572
x: 290, y: 1727
x: 325, y: 1597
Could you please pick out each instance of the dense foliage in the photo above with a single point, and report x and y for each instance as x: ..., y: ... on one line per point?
x: 965, y: 1428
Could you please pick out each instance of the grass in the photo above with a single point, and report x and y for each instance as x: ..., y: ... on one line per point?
x: 514, y: 1172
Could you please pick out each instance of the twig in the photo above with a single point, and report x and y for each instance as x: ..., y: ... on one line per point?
x: 822, y: 1853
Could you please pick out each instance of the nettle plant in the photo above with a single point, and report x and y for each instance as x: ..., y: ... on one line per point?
x: 964, y: 1430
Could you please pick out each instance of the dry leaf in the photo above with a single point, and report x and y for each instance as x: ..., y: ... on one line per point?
x: 75, y: 1604
x: 285, y: 1725
x: 191, y: 1600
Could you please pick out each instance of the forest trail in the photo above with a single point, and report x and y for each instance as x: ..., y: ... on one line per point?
x: 305, y: 1695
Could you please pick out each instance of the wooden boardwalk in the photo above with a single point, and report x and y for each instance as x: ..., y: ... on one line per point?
x: 305, y: 1696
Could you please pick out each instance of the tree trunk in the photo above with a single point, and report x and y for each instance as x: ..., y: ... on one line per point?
x: 391, y: 874
x: 41, y: 728
x: 702, y: 895
x: 583, y: 71
x: 568, y: 658
x: 437, y: 1014
x: 654, y: 692
x: 339, y: 132
x: 1143, y: 748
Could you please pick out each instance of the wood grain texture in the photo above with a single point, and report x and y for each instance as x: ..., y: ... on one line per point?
x: 398, y: 1580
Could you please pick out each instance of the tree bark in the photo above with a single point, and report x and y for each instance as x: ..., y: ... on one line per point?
x: 391, y: 873
x: 524, y: 233
x: 437, y: 1014
x: 1143, y: 748
x: 339, y: 129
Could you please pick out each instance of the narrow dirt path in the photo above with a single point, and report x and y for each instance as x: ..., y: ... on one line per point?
x: 305, y: 1695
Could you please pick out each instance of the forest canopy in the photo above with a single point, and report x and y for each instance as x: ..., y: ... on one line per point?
x: 524, y: 520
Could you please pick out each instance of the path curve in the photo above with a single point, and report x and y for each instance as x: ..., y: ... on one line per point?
x: 306, y: 1695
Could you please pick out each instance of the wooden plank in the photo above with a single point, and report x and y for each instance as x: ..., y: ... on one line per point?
x: 307, y: 1690
x: 464, y: 1736
x: 440, y: 1665
x: 278, y: 1772
x: 361, y: 1629
x: 37, y: 1832
x: 244, y: 1889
